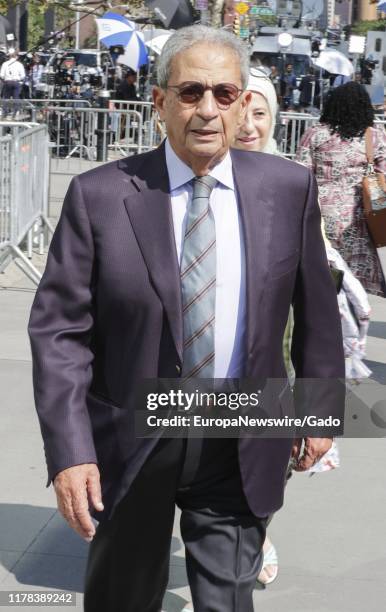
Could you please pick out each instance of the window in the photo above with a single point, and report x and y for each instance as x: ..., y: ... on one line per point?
x: 378, y: 44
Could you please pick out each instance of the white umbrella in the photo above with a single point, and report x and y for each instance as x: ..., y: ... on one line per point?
x: 155, y: 39
x: 334, y: 62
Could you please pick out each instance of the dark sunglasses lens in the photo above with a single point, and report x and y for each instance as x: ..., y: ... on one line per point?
x: 225, y: 94
x: 191, y: 93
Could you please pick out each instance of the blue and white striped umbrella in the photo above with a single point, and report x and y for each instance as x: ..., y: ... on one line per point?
x: 135, y: 54
x: 381, y: 6
x: 114, y: 29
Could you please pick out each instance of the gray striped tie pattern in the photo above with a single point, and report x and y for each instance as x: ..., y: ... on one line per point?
x: 198, y: 282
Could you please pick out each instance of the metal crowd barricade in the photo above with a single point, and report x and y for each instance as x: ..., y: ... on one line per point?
x: 30, y: 109
x: 20, y: 109
x: 24, y: 175
x: 380, y: 121
x: 125, y: 128
x: 40, y: 102
x: 94, y: 133
x: 152, y: 134
x: 293, y: 126
x: 13, y: 128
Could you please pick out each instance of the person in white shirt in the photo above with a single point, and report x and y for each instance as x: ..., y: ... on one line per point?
x: 12, y: 74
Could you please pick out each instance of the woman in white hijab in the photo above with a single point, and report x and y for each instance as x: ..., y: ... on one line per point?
x: 258, y: 129
x: 257, y: 134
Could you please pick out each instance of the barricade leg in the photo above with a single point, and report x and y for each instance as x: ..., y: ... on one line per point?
x: 25, y: 265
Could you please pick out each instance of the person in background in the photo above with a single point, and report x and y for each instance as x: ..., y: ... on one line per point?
x: 127, y: 89
x: 341, y: 79
x: 35, y: 77
x: 12, y: 75
x: 287, y: 87
x: 335, y: 150
x: 309, y: 90
x: 257, y: 134
x: 368, y: 67
x: 275, y: 78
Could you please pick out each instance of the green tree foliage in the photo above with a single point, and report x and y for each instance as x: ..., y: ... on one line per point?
x: 268, y: 20
x: 35, y: 22
x: 362, y: 27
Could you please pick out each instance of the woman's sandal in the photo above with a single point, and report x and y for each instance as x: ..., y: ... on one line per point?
x: 270, y: 558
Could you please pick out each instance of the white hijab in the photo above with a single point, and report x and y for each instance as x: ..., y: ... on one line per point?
x: 263, y: 85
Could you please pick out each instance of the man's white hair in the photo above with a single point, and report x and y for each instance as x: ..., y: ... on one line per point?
x: 185, y: 38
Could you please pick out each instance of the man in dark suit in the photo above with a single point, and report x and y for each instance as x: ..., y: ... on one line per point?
x: 179, y: 262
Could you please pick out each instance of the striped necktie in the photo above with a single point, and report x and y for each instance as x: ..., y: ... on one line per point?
x: 198, y: 282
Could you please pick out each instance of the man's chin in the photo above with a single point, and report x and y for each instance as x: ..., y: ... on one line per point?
x: 205, y: 149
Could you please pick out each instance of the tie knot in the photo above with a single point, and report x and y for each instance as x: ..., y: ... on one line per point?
x: 203, y: 185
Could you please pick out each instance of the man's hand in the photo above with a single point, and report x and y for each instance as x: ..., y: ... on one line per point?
x: 77, y: 489
x: 314, y: 449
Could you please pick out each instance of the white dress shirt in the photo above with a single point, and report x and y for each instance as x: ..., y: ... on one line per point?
x: 230, y: 321
x: 12, y: 70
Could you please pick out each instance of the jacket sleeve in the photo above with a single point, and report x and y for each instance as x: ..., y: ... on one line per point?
x: 60, y: 329
x: 317, y: 344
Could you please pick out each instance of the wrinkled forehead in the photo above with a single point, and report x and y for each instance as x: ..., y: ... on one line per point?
x: 208, y: 63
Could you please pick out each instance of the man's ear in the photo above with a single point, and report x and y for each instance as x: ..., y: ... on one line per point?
x: 246, y: 97
x: 159, y: 101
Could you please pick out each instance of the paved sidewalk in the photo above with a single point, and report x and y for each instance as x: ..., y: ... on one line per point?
x: 330, y: 536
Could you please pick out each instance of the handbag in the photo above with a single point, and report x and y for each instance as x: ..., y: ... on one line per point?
x: 374, y: 197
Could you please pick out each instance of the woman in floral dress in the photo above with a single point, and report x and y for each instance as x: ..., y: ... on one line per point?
x: 335, y: 150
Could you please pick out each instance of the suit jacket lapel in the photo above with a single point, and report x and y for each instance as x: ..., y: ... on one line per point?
x: 149, y: 209
x: 150, y: 214
x: 255, y: 201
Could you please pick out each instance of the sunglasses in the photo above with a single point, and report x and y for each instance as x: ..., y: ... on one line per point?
x: 192, y: 92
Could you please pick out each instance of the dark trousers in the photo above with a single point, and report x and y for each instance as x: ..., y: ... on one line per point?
x: 11, y: 89
x: 128, y: 564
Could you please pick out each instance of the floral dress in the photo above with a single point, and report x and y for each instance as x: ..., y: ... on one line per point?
x: 339, y: 166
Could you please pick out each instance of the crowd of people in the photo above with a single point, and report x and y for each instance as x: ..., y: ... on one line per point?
x: 307, y: 93
x: 27, y: 80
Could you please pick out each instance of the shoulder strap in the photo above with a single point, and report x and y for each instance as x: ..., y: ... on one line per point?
x: 369, y: 145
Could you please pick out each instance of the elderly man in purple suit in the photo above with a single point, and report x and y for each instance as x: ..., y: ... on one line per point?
x: 180, y: 262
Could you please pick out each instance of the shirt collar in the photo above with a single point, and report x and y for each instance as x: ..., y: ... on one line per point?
x: 180, y: 173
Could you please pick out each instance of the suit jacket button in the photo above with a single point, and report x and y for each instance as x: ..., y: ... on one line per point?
x: 178, y: 369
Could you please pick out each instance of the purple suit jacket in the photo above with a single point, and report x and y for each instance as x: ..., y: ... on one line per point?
x: 107, y: 312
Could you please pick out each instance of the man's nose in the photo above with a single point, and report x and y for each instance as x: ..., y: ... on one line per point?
x: 207, y: 107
